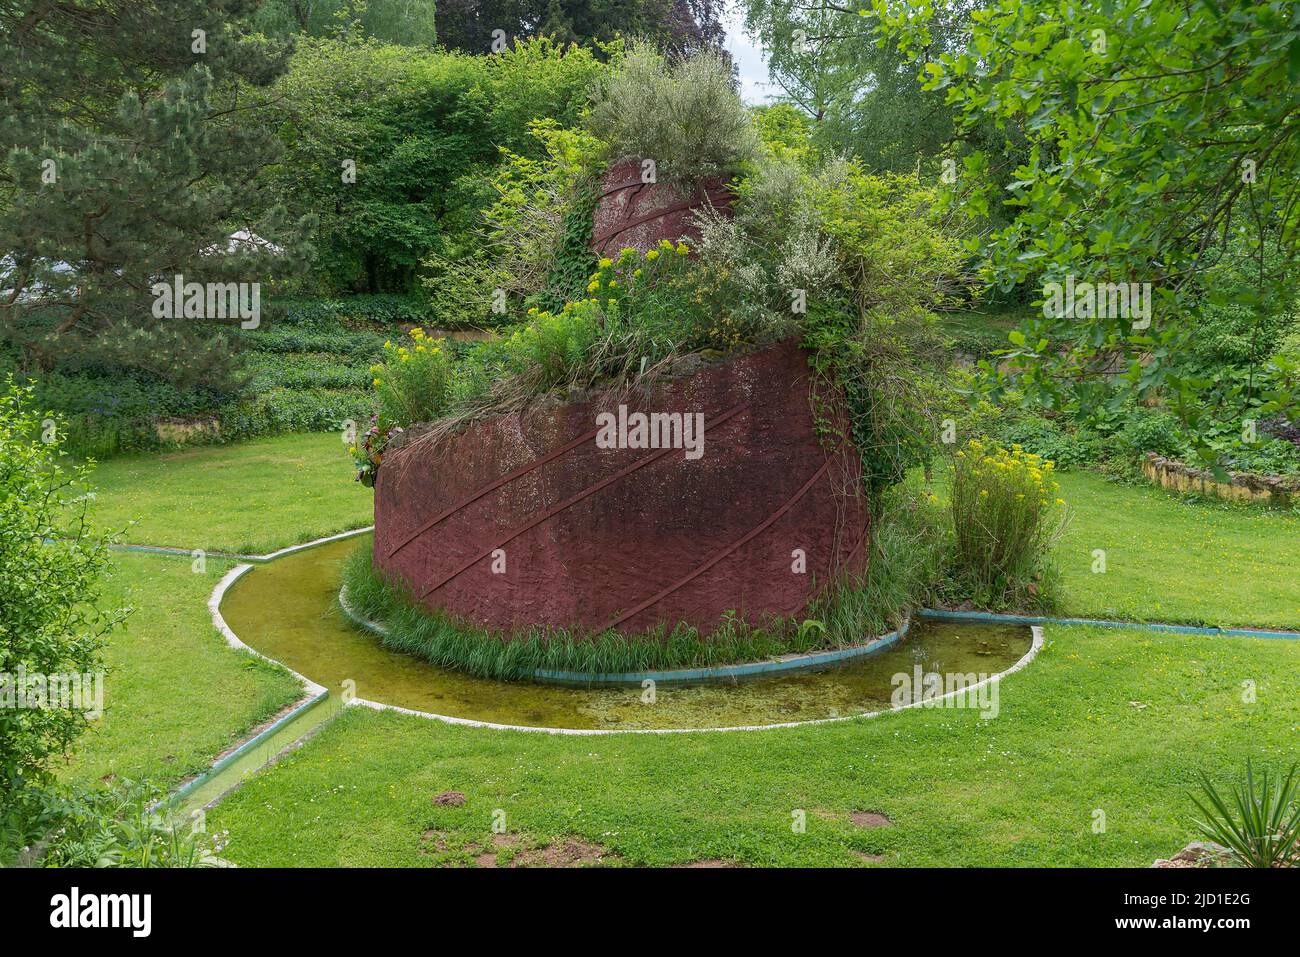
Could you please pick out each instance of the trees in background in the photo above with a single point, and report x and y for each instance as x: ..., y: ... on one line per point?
x: 1164, y: 150
x: 680, y: 26
x: 392, y: 149
x: 131, y: 138
x: 863, y: 95
x: 409, y: 22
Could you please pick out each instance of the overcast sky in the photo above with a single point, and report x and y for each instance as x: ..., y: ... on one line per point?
x: 749, y: 58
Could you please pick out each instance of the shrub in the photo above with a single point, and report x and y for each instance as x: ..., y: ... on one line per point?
x: 1061, y: 442
x: 51, y: 563
x: 1273, y: 457
x: 1146, y: 431
x: 686, y: 116
x: 533, y: 242
x: 283, y: 410
x: 414, y: 383
x: 110, y: 827
x: 424, y: 128
x: 325, y: 315
x: 874, y: 331
x: 1006, y: 515
x: 1261, y: 827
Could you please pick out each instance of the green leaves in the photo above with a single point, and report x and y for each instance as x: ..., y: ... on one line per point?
x: 51, y: 562
x: 1259, y: 825
x: 1163, y: 139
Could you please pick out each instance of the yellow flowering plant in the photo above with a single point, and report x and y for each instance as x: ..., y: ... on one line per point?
x: 1007, y: 512
x: 413, y: 383
x: 552, y: 347
x: 658, y: 290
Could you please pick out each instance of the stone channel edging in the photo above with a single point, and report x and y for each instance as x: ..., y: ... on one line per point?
x: 231, y: 757
x: 1210, y: 631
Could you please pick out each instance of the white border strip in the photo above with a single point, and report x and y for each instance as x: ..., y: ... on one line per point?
x: 320, y: 541
x: 237, y: 556
x: 232, y: 576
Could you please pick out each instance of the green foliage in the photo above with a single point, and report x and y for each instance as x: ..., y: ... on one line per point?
x: 127, y: 155
x: 853, y: 86
x: 910, y: 544
x: 52, y: 560
x: 553, y: 348
x: 1005, y: 516
x: 110, y: 826
x: 305, y: 368
x: 573, y: 259
x: 414, y: 383
x: 532, y: 243
x: 784, y: 133
x: 278, y: 411
x: 1273, y: 457
x: 1068, y: 446
x: 875, y: 334
x: 685, y: 116
x: 1261, y: 827
x: 1158, y: 432
x: 408, y: 22
x: 1130, y: 178
x: 855, y: 262
x: 681, y: 26
x: 426, y: 131
x: 340, y: 317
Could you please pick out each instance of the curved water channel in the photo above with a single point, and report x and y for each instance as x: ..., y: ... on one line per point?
x: 288, y: 610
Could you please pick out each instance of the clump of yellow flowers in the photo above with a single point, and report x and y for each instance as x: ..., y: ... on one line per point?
x: 414, y: 381
x: 1007, y: 511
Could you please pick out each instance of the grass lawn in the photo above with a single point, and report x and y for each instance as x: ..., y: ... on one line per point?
x: 175, y: 694
x: 248, y: 497
x: 1109, y: 720
x: 980, y: 332
x: 1170, y: 559
x: 1116, y: 722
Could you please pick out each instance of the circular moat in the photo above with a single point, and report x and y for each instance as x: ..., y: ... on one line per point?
x: 287, y: 609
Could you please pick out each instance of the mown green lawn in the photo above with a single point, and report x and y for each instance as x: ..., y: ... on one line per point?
x: 1171, y: 559
x: 1116, y: 722
x: 175, y: 694
x: 248, y: 497
x: 1105, y: 720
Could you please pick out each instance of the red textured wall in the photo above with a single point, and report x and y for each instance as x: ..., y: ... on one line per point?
x: 637, y: 214
x: 595, y: 537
